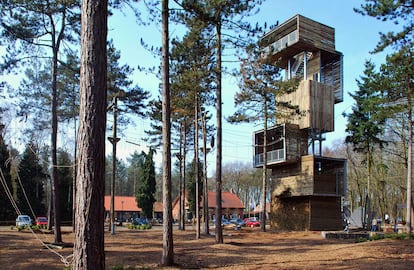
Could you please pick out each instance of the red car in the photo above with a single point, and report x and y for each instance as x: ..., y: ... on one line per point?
x: 252, y: 222
x: 41, y: 221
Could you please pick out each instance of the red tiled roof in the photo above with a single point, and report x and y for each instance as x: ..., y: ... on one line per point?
x: 122, y: 203
x: 128, y: 204
x: 158, y: 207
x: 228, y: 200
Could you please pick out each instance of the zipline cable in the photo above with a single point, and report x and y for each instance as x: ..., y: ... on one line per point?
x: 67, y: 261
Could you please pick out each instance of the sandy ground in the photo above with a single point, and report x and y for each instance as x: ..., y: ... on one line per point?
x: 245, y: 249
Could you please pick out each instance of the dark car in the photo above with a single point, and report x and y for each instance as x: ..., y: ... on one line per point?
x: 120, y: 220
x: 140, y: 221
x: 238, y: 221
x: 225, y: 223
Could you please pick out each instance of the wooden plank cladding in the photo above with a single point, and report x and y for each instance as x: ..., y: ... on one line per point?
x: 290, y: 213
x: 285, y: 44
x: 306, y: 213
x: 330, y: 176
x: 313, y: 175
x: 325, y: 213
x: 316, y: 34
x: 295, y: 179
x: 316, y: 104
x: 297, y: 34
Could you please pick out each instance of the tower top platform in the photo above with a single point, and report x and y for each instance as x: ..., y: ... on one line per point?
x: 295, y: 35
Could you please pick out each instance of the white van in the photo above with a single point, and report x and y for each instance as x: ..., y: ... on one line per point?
x: 23, y: 220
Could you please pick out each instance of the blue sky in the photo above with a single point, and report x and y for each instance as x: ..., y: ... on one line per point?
x: 356, y: 36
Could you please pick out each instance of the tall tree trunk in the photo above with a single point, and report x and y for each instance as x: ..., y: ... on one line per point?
x: 56, y: 41
x: 368, y: 212
x: 264, y: 180
x: 205, y: 188
x: 183, y: 213
x: 409, y: 166
x: 196, y: 168
x: 167, y: 236
x: 54, y: 180
x: 114, y: 141
x: 219, y: 230
x: 180, y: 158
x: 74, y: 177
x: 89, y: 224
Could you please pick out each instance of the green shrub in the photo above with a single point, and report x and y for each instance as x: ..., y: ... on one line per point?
x: 139, y: 227
x: 361, y: 239
x: 146, y: 226
x: 393, y: 236
x: 402, y: 236
x: 19, y: 228
x: 378, y: 237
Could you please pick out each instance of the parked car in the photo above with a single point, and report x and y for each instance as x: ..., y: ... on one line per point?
x: 225, y: 223
x: 120, y: 220
x: 23, y: 220
x: 41, y: 221
x: 238, y: 221
x: 140, y: 221
x: 252, y: 222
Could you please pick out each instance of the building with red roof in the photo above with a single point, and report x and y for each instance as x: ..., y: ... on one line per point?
x: 231, y: 205
x: 127, y: 207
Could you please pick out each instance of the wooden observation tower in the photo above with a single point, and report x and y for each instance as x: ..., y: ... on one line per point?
x: 306, y: 188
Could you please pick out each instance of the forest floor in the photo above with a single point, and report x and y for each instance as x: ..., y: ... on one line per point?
x: 245, y: 249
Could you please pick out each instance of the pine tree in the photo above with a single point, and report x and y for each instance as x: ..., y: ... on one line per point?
x: 224, y: 17
x: 7, y: 212
x: 147, y: 188
x: 399, y: 12
x: 31, y: 183
x: 30, y: 28
x: 191, y: 86
x: 88, y: 248
x: 135, y: 163
x: 167, y: 258
x: 397, y: 85
x: 366, y: 124
x: 132, y: 98
x: 191, y: 187
x: 65, y: 176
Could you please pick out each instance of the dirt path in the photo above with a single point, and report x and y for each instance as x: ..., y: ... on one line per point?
x: 245, y: 249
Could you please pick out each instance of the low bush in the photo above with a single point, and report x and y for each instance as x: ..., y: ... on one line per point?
x: 19, y: 228
x: 394, y: 236
x: 139, y: 227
